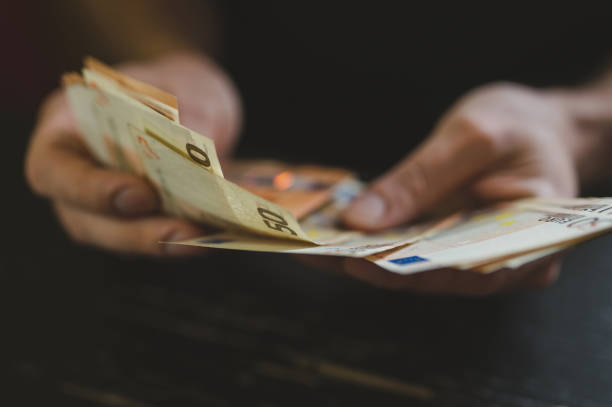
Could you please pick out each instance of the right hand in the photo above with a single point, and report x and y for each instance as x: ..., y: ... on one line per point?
x: 499, y: 143
x: 116, y: 210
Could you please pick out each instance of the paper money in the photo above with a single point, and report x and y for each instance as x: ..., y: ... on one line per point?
x: 350, y: 245
x: 271, y: 206
x: 516, y: 261
x: 299, y: 188
x: 494, y: 235
x: 114, y: 124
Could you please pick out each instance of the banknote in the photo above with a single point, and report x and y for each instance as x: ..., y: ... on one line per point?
x: 113, y: 123
x: 163, y: 102
x: 325, y: 227
x: 351, y: 244
x: 589, y: 205
x: 300, y: 188
x: 594, y: 206
x: 515, y: 261
x: 188, y: 191
x: 495, y: 234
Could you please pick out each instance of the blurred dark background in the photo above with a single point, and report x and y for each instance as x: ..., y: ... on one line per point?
x: 317, y: 77
x: 346, y: 84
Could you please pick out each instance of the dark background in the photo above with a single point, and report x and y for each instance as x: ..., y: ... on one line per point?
x: 354, y: 86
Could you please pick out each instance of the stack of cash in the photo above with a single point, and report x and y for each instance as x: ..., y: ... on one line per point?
x: 275, y: 207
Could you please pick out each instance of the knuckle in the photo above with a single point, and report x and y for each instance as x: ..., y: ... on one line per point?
x: 497, y: 91
x: 475, y: 130
x: 481, y: 117
x: 500, y: 88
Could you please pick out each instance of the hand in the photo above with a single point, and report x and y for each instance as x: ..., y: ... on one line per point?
x: 500, y: 142
x: 113, y: 209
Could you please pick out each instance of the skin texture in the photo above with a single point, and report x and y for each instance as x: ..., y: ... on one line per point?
x: 112, y: 209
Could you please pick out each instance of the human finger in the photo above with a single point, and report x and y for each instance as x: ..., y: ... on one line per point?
x: 440, y: 166
x: 59, y: 166
x: 134, y: 235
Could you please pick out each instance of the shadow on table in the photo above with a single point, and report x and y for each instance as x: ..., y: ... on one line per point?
x: 82, y: 327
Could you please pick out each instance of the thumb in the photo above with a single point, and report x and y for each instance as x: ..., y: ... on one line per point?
x: 437, y: 168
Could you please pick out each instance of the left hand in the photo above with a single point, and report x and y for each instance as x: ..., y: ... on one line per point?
x: 112, y: 209
x: 500, y: 142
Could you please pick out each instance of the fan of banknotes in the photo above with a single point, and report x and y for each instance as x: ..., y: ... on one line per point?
x: 271, y: 206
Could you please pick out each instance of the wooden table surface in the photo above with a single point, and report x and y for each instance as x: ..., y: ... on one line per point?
x: 85, y: 328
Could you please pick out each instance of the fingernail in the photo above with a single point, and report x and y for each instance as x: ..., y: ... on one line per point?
x: 367, y: 211
x: 134, y: 200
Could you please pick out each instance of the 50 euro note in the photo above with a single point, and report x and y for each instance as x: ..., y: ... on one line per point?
x: 324, y: 226
x: 252, y: 223
x: 593, y: 206
x: 508, y: 236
